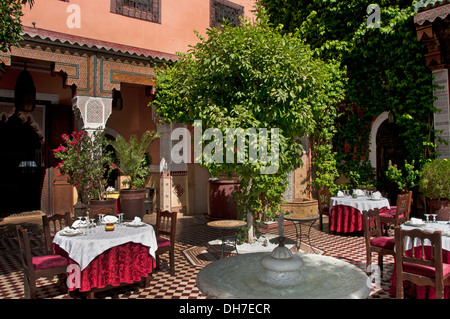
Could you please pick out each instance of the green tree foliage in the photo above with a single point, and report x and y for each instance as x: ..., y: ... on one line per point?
x: 251, y: 76
x: 10, y: 24
x: 385, y: 70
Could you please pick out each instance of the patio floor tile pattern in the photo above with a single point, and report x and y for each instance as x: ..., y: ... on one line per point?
x: 192, y: 232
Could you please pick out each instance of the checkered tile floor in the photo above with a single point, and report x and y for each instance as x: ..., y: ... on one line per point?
x: 192, y: 235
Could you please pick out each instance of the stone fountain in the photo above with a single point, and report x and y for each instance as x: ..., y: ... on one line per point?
x: 282, y: 274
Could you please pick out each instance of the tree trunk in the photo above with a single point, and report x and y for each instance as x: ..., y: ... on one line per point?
x: 251, y: 228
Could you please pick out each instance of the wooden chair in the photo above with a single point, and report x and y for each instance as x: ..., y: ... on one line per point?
x: 51, y: 225
x: 39, y: 266
x: 375, y: 241
x: 323, y: 196
x: 93, y: 213
x: 166, y: 224
x: 417, y: 266
x: 394, y: 208
x: 398, y: 214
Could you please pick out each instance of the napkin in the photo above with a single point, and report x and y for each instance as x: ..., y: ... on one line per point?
x: 79, y: 223
x: 376, y: 195
x: 415, y: 221
x: 136, y: 221
x: 358, y: 192
x: 68, y: 230
x: 340, y: 194
x: 109, y: 219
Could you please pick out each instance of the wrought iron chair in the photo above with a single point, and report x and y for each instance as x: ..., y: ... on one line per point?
x: 39, y: 266
x: 166, y: 224
x: 418, y: 266
x: 51, y: 225
x: 375, y: 241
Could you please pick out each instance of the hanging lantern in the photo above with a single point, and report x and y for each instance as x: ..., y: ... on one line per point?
x: 25, y: 92
x: 151, y: 92
x: 117, y: 102
x: 391, y: 117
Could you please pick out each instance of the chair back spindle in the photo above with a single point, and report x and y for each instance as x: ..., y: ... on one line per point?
x: 24, y: 248
x: 51, y: 225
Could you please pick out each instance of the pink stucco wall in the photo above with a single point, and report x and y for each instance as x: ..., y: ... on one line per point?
x: 179, y: 19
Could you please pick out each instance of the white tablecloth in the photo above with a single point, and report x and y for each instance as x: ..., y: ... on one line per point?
x: 85, y: 248
x: 360, y: 203
x: 442, y: 226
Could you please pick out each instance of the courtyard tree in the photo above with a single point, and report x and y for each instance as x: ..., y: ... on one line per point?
x: 10, y: 23
x: 256, y: 79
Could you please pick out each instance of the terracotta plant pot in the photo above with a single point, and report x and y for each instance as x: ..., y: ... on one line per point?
x: 132, y: 203
x: 96, y: 204
x: 221, y: 202
x: 439, y: 207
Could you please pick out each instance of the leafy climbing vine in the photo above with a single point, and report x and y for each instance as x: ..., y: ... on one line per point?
x: 385, y: 72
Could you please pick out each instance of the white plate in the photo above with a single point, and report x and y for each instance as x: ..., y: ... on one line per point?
x: 408, y: 223
x: 376, y: 198
x: 70, y: 233
x: 135, y: 225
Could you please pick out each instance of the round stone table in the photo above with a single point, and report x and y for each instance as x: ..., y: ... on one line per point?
x: 324, y: 278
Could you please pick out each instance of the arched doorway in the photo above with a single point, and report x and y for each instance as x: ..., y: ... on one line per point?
x: 20, y: 166
x: 390, y: 147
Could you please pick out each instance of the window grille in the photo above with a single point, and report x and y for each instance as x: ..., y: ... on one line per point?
x: 148, y: 10
x: 225, y: 10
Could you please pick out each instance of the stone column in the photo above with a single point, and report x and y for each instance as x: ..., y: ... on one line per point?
x: 165, y: 186
x: 441, y: 117
x: 173, y: 176
x: 92, y: 112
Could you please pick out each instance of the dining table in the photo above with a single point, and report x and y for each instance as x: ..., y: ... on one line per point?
x: 105, y: 257
x: 424, y: 292
x: 346, y: 211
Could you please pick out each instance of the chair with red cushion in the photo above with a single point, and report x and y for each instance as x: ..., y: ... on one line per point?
x: 39, y: 266
x: 51, y: 225
x: 166, y: 225
x: 323, y: 197
x: 398, y: 214
x: 375, y: 242
x: 418, y: 267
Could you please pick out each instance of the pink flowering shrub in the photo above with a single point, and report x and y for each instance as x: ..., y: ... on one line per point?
x: 86, y: 163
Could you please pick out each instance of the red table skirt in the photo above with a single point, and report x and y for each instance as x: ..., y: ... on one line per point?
x: 126, y: 263
x: 347, y: 219
x: 420, y: 292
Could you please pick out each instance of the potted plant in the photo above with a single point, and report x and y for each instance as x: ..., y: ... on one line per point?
x: 406, y: 178
x: 434, y: 184
x: 134, y: 162
x: 86, y: 162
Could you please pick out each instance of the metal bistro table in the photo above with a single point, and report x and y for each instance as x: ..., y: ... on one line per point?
x: 226, y: 224
x: 302, y: 219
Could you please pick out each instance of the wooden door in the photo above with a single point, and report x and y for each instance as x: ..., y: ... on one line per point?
x: 59, y: 199
x: 390, y: 147
x: 19, y: 166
